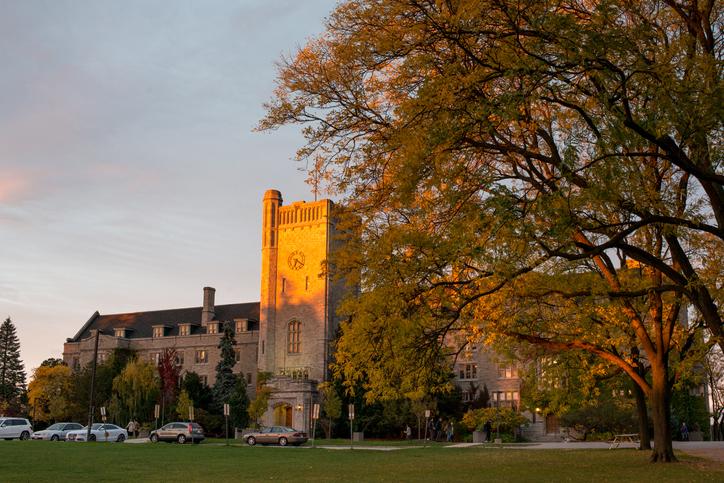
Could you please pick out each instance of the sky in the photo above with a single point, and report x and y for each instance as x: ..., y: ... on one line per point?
x: 130, y: 174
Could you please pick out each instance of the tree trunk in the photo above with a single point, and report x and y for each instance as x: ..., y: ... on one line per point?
x: 643, y: 417
x: 663, y: 451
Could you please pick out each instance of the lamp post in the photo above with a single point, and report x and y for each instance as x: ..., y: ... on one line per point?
x: 91, y: 404
x: 350, y: 409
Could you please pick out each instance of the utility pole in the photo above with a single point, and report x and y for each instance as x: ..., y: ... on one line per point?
x: 91, y: 405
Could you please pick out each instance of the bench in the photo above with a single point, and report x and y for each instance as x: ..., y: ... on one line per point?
x: 624, y: 438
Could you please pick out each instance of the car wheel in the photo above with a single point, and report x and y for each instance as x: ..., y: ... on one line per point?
x: 154, y: 438
x: 283, y: 441
x: 251, y: 440
x: 181, y: 439
x: 92, y: 437
x: 54, y: 437
x: 25, y: 435
x: 121, y: 438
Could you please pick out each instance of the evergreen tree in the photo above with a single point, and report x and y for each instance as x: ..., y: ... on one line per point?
x: 239, y: 404
x: 226, y: 380
x: 199, y: 392
x: 12, y: 372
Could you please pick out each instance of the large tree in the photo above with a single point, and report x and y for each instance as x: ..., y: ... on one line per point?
x: 49, y: 392
x: 12, y: 371
x: 168, y: 373
x: 226, y: 381
x: 137, y: 389
x: 480, y: 144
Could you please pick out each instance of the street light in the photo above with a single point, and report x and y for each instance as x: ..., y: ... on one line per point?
x: 91, y: 404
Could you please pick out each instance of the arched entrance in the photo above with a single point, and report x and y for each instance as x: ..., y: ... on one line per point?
x: 283, y: 415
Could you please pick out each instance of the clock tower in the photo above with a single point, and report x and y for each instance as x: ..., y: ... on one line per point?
x: 298, y: 299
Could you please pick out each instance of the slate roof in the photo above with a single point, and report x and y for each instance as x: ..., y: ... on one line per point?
x: 141, y: 323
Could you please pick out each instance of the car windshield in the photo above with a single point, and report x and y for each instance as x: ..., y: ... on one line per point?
x: 55, y: 427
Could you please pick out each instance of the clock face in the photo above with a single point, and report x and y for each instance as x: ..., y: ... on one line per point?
x: 296, y: 260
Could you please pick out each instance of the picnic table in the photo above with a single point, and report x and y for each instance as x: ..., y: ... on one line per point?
x: 624, y: 438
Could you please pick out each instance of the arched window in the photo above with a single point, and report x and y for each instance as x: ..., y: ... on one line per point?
x: 294, y: 337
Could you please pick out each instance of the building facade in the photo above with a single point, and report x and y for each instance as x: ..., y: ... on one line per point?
x: 287, y: 334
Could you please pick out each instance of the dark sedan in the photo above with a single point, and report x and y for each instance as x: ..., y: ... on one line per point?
x: 280, y: 435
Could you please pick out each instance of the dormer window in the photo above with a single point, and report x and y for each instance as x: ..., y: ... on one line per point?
x: 119, y: 332
x: 241, y: 326
x: 212, y: 328
x: 159, y: 331
x: 184, y: 329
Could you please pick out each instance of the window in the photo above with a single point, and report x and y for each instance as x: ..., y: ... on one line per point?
x: 184, y: 329
x: 507, y: 372
x: 306, y: 283
x: 179, y: 359
x: 102, y: 357
x: 241, y: 326
x: 120, y: 332
x: 76, y: 363
x: 503, y: 398
x: 294, y: 336
x: 202, y: 357
x: 212, y: 329
x: 204, y: 380
x: 154, y: 357
x: 159, y: 331
x: 284, y: 284
x: 469, y: 371
x: 237, y: 355
x: 248, y: 377
x: 466, y: 396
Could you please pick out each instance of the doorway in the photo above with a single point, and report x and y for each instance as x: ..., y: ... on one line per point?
x: 283, y: 415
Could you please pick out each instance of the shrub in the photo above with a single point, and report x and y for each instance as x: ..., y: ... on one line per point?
x: 508, y: 421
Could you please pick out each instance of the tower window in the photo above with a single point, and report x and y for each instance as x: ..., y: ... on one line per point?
x: 284, y: 284
x: 294, y: 336
x: 306, y: 283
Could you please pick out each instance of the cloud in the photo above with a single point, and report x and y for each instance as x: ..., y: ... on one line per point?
x: 15, y: 185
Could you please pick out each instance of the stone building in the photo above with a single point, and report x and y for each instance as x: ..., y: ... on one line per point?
x: 287, y: 334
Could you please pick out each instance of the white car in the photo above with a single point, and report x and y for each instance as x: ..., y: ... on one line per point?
x: 11, y: 428
x: 57, y: 431
x: 99, y: 432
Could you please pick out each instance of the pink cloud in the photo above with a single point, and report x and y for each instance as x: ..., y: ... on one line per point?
x: 14, y: 185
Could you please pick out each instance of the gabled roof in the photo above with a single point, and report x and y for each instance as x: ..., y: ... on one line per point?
x: 142, y: 323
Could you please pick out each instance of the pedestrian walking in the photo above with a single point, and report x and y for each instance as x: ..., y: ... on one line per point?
x: 684, y: 431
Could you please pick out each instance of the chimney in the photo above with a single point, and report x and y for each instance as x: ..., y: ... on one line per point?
x: 207, y: 312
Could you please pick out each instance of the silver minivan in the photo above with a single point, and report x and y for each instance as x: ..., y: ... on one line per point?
x: 11, y: 428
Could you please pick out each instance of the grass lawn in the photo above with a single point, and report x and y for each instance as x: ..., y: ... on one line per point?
x: 51, y: 461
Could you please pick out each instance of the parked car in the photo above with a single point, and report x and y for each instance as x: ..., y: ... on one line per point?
x: 99, y: 432
x: 281, y: 435
x: 180, y: 432
x: 11, y: 428
x: 57, y: 431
